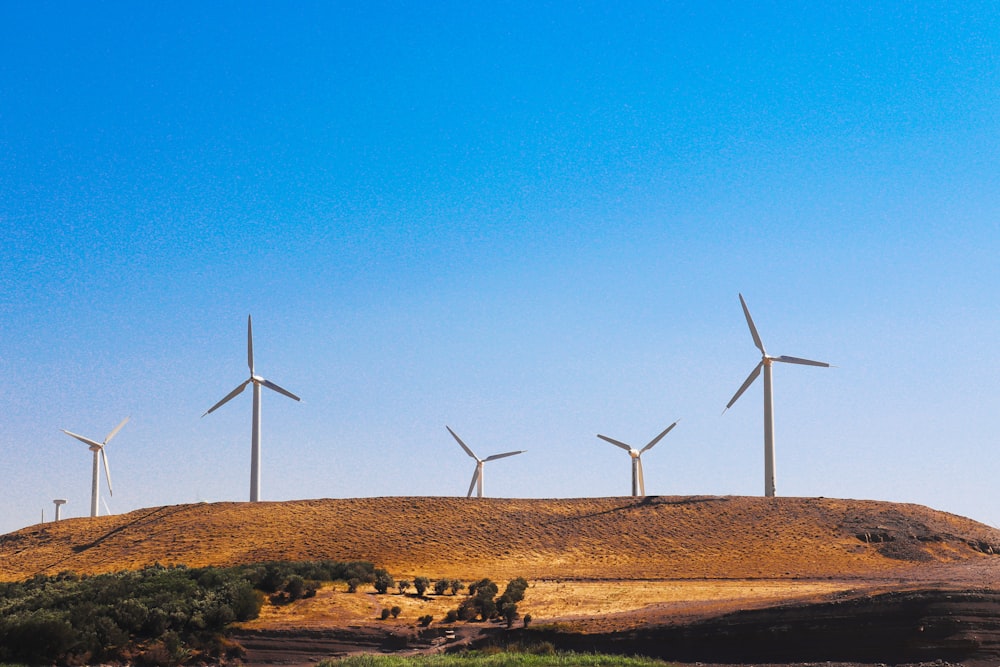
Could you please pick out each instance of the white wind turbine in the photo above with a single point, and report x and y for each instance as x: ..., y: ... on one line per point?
x: 98, y: 448
x: 477, y: 477
x: 638, y: 485
x: 765, y: 363
x: 257, y: 382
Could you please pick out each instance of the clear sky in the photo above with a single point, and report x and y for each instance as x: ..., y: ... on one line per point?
x: 528, y: 221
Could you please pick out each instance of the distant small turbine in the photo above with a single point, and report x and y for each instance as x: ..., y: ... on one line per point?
x: 99, y: 451
x: 477, y: 477
x: 638, y: 485
x: 765, y: 363
x: 59, y: 503
x: 257, y: 382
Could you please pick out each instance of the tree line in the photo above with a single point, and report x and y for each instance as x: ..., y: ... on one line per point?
x: 156, y: 616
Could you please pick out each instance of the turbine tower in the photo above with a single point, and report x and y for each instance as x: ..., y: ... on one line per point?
x: 638, y: 485
x: 765, y: 362
x: 98, y: 448
x: 257, y: 382
x: 477, y: 477
x: 59, y: 503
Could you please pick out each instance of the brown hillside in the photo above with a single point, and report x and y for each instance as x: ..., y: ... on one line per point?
x: 588, y: 538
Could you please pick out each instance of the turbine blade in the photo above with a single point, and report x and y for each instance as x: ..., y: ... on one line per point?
x: 658, y: 438
x: 642, y: 482
x: 502, y: 456
x: 250, y: 343
x: 753, y: 329
x: 475, y: 478
x: 107, y: 470
x: 746, y: 383
x: 115, y: 432
x: 82, y: 439
x: 464, y: 446
x: 233, y: 394
x: 270, y: 385
x: 107, y: 509
x: 614, y: 442
x: 805, y: 362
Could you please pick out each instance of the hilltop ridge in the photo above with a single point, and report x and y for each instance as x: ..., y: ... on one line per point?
x: 584, y: 538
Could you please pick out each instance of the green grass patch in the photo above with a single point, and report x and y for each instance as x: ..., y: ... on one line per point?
x: 497, y: 659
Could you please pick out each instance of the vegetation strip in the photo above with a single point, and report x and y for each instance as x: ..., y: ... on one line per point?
x: 542, y: 656
x: 153, y: 616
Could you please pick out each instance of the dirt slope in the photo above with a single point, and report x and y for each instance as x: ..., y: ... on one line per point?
x: 603, y: 538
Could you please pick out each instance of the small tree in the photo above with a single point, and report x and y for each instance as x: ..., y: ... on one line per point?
x: 352, y: 584
x: 509, y: 613
x: 527, y: 620
x: 421, y: 584
x: 484, y: 589
x: 451, y: 616
x: 295, y: 587
x: 515, y: 589
x: 403, y: 586
x: 440, y: 586
x: 455, y: 586
x: 383, y: 581
x: 425, y: 620
x: 395, y: 611
x: 385, y: 613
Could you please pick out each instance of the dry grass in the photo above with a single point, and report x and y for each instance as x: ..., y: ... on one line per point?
x: 594, y: 563
x: 590, y: 538
x: 548, y: 601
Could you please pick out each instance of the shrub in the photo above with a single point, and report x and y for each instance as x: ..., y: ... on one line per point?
x: 403, y: 586
x: 352, y: 584
x: 451, y: 616
x: 527, y: 620
x: 515, y: 589
x: 395, y: 611
x: 484, y: 589
x: 425, y: 620
x: 455, y: 586
x: 421, y: 584
x: 440, y: 586
x: 295, y: 586
x: 385, y: 613
x: 383, y: 581
x: 509, y: 613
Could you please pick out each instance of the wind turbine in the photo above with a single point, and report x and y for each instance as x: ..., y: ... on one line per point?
x: 99, y: 452
x: 638, y: 485
x: 477, y: 477
x: 765, y: 362
x: 257, y: 382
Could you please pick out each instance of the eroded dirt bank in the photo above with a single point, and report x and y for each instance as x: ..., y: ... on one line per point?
x: 898, y: 627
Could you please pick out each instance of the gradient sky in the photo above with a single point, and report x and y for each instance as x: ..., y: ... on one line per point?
x: 528, y: 221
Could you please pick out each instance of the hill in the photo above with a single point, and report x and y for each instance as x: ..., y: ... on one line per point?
x: 589, y: 538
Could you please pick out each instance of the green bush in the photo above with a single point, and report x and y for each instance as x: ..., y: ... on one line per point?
x: 383, y: 581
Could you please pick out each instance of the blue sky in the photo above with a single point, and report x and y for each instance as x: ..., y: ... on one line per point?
x: 528, y: 221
